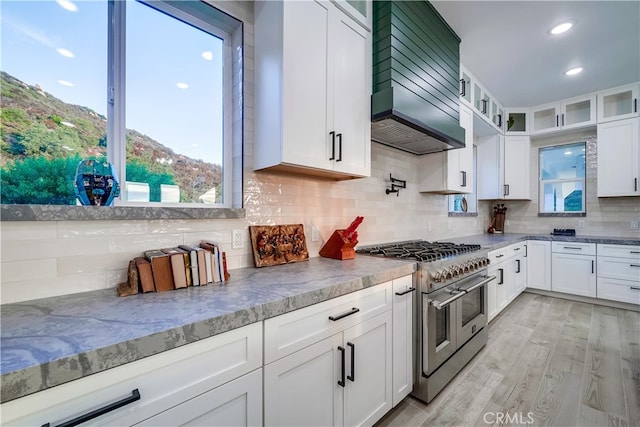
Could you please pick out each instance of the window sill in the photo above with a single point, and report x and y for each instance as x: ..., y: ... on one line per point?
x: 111, y: 213
x: 562, y: 214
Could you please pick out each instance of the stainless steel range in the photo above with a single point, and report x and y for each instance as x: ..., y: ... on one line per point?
x: 450, y: 307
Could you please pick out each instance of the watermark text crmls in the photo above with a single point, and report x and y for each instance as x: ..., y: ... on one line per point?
x: 507, y: 418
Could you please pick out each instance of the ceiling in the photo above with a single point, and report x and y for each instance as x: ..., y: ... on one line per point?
x: 506, y: 45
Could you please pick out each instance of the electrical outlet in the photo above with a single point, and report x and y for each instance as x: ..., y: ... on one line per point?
x: 237, y: 239
x: 634, y: 225
x: 581, y: 224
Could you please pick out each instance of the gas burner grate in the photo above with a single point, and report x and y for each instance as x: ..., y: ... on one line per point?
x: 420, y: 250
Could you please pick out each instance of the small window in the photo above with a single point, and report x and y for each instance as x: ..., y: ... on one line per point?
x: 562, y: 179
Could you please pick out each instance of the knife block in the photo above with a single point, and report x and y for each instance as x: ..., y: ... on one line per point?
x: 339, y: 247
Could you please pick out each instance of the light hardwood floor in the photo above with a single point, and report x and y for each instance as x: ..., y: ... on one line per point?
x: 548, y: 362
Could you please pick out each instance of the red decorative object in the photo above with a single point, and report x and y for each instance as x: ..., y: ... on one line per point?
x: 342, y: 242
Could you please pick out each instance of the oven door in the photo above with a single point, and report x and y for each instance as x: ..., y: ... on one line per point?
x: 439, y: 342
x: 472, y: 312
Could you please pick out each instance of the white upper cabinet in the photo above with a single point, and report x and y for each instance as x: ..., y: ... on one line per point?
x: 503, y: 168
x: 618, y: 103
x: 476, y: 96
x: 450, y: 172
x: 312, y: 90
x: 516, y: 121
x: 568, y: 114
x: 360, y: 10
x: 619, y: 158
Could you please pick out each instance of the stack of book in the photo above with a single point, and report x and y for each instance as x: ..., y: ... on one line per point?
x: 167, y: 269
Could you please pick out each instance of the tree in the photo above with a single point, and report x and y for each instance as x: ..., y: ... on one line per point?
x: 40, y: 181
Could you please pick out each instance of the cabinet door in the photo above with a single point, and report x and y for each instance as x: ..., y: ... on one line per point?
x: 506, y: 286
x: 367, y: 393
x: 545, y: 118
x: 492, y: 289
x: 538, y: 264
x: 517, y: 121
x: 619, y: 158
x: 236, y: 403
x: 460, y: 161
x: 517, y: 167
x: 305, y: 85
x: 573, y: 274
x: 490, y: 174
x: 302, y: 389
x: 402, y: 356
x: 520, y: 282
x: 618, y: 103
x: 351, y: 56
x: 578, y: 112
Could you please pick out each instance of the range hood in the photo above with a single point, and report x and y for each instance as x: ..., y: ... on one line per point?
x: 415, y: 105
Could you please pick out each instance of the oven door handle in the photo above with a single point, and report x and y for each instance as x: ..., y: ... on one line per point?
x: 486, y: 280
x: 440, y: 305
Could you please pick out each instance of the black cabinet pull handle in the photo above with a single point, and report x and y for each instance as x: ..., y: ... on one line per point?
x: 135, y: 395
x: 518, y: 262
x: 354, y: 310
x: 557, y: 120
x: 405, y: 292
x: 484, y: 106
x: 352, y: 377
x: 562, y: 119
x: 501, y: 282
x: 499, y: 256
x: 634, y: 288
x: 572, y: 247
x: 635, y: 184
x: 500, y: 120
x: 593, y: 266
x: 333, y: 145
x: 506, y: 189
x: 526, y: 251
x: 635, y: 105
x: 634, y: 265
x: 464, y: 178
x: 463, y: 87
x: 341, y: 380
x: 339, y: 159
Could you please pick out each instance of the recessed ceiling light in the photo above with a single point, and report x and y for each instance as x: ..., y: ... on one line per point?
x: 561, y: 28
x: 573, y: 71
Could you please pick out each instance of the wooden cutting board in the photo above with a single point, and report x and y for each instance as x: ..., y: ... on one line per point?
x: 278, y: 244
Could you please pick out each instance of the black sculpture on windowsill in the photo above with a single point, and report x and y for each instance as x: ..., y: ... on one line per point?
x: 96, y: 183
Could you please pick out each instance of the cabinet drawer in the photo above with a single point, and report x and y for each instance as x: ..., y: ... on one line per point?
x: 573, y: 248
x: 498, y: 255
x: 621, y: 251
x: 619, y: 290
x: 295, y: 330
x: 516, y: 249
x: 619, y: 268
x: 163, y: 380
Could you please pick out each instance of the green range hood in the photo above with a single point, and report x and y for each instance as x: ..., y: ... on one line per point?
x: 415, y: 105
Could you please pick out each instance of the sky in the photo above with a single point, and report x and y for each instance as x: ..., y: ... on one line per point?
x: 174, y: 71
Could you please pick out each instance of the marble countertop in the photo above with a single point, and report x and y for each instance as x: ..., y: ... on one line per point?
x: 496, y: 241
x: 50, y: 341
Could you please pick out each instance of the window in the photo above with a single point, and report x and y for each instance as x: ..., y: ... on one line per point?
x: 466, y: 204
x: 155, y: 88
x: 562, y: 179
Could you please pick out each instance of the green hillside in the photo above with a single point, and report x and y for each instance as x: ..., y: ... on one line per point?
x: 44, y: 138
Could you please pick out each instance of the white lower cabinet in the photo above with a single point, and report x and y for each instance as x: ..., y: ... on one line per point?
x: 236, y: 403
x: 538, y: 264
x: 214, y: 381
x: 573, y: 268
x: 509, y: 265
x: 342, y: 380
x: 619, y: 273
x: 402, y: 356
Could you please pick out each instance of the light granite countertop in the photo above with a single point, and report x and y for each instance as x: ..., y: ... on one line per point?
x: 51, y: 341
